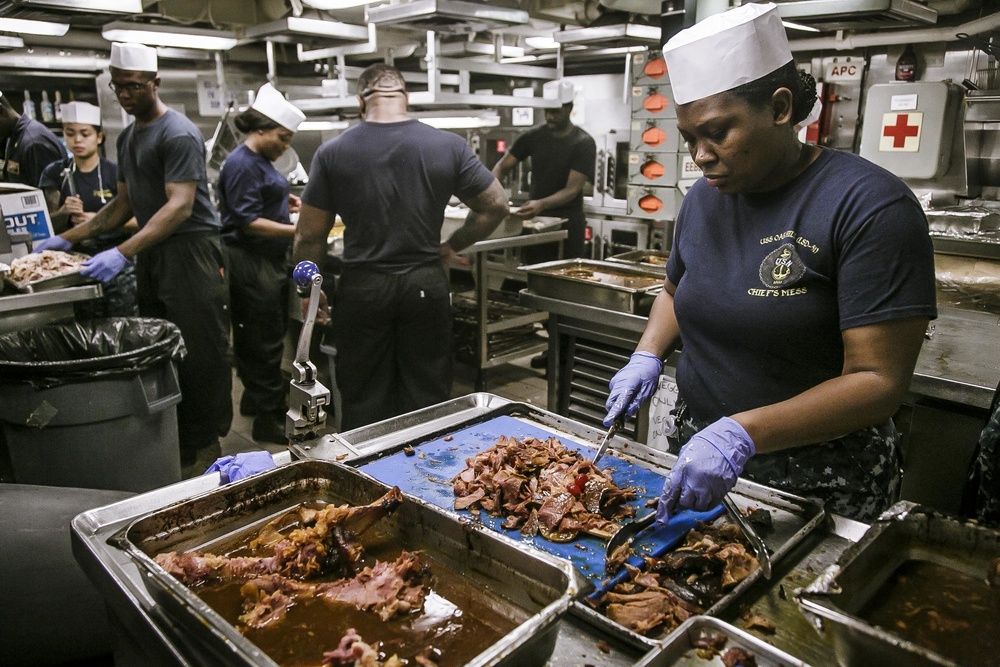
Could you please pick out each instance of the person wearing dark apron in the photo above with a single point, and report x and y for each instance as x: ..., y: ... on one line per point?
x: 255, y: 203
x: 78, y: 187
x: 800, y: 284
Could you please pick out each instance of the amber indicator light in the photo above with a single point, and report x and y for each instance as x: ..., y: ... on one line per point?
x: 652, y: 170
x: 655, y: 69
x: 653, y: 136
x: 655, y: 103
x: 650, y: 204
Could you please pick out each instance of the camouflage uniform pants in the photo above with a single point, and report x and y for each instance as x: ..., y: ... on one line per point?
x: 856, y: 476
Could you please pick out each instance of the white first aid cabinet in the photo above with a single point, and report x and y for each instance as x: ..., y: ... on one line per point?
x: 909, y: 127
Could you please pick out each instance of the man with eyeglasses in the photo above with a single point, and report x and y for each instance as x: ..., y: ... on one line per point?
x: 180, y: 266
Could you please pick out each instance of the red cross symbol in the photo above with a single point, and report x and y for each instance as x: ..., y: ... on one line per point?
x: 900, y: 131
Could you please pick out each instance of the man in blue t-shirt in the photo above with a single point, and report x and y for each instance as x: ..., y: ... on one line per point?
x: 563, y: 158
x: 28, y: 146
x: 178, y: 252
x: 389, y: 178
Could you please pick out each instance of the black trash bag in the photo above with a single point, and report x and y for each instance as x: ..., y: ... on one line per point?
x: 79, y: 351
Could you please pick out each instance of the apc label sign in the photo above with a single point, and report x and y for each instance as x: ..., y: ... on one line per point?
x: 845, y: 70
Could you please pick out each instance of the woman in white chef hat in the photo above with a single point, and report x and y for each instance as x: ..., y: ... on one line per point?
x: 255, y: 205
x: 75, y: 189
x: 800, y: 282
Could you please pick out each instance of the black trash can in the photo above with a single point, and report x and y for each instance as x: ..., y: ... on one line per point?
x: 93, y: 404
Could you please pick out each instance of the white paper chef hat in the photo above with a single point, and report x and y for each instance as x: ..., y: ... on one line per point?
x: 560, y: 89
x: 273, y: 104
x: 137, y: 57
x: 81, y: 112
x: 725, y: 51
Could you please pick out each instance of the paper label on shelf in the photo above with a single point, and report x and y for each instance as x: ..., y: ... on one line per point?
x: 211, y: 96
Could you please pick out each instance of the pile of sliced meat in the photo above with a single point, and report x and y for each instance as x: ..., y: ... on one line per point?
x: 541, y: 487
x: 669, y: 589
x: 354, y: 652
x: 323, y: 543
x: 45, y: 264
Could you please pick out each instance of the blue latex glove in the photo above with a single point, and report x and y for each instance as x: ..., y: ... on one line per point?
x: 52, y: 243
x: 633, y: 385
x: 235, y: 468
x: 707, y: 468
x: 105, y: 265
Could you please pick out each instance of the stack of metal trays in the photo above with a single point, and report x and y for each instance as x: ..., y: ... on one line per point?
x: 423, y: 451
x: 618, y: 287
x: 492, y: 603
x: 687, y: 647
x: 919, y: 588
x: 652, y: 260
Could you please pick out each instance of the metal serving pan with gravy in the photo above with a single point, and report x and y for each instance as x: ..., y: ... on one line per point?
x: 618, y: 287
x: 919, y: 588
x: 491, y: 603
x: 701, y: 641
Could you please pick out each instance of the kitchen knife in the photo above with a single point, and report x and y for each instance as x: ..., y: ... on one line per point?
x: 615, y: 425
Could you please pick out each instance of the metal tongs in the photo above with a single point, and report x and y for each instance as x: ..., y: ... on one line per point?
x: 627, y: 533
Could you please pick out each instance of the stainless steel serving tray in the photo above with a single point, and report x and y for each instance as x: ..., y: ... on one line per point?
x: 793, y: 518
x: 679, y: 649
x: 71, y: 279
x: 905, y: 532
x: 614, y: 286
x: 651, y: 260
x: 531, y: 587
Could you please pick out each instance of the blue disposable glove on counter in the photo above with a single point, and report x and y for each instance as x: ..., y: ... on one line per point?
x: 241, y: 466
x: 104, y: 265
x: 52, y: 243
x: 633, y: 385
x: 706, y: 469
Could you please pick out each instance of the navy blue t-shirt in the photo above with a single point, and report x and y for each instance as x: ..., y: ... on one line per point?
x: 765, y: 283
x: 168, y: 150
x: 552, y: 158
x: 251, y: 188
x: 390, y: 183
x: 95, y: 188
x: 30, y: 148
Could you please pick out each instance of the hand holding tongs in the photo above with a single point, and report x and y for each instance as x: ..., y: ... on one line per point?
x: 628, y: 532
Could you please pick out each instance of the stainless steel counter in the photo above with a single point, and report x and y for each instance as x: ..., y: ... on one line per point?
x: 26, y: 311
x: 150, y: 638
x: 960, y: 363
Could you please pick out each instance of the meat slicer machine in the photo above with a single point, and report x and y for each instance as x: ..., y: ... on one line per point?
x: 306, y: 416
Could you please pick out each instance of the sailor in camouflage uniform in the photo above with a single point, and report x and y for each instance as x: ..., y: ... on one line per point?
x: 800, y: 282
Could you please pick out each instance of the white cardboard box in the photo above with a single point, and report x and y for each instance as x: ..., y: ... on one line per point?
x: 23, y: 208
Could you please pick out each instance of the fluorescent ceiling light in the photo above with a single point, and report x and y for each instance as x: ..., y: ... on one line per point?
x: 541, y: 42
x: 176, y: 36
x: 27, y: 27
x: 799, y: 26
x: 335, y: 4
x: 319, y: 125
x: 459, y: 121
x: 111, y: 6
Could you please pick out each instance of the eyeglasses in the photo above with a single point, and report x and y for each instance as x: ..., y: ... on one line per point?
x: 129, y: 88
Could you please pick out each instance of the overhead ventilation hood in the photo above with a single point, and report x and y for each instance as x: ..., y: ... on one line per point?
x: 830, y: 15
x: 615, y: 34
x: 446, y: 16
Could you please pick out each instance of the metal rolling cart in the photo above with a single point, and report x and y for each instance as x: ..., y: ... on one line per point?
x: 510, y: 316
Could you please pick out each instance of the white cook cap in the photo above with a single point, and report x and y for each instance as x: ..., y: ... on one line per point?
x: 560, y: 89
x: 81, y: 112
x: 136, y: 57
x: 725, y: 51
x: 273, y: 104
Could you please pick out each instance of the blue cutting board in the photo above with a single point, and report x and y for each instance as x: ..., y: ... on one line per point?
x: 428, y: 474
